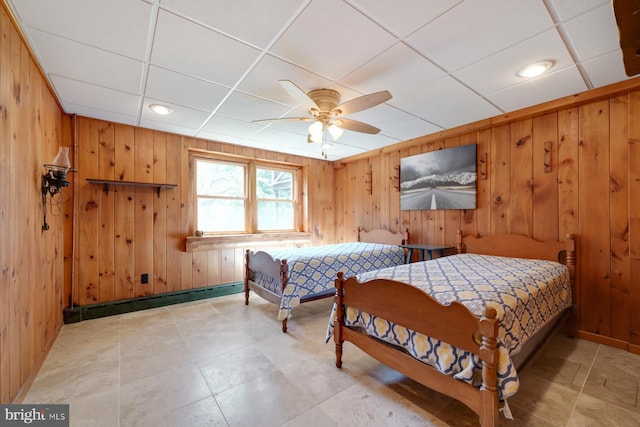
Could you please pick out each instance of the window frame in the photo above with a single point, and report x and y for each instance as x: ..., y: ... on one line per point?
x: 251, y: 200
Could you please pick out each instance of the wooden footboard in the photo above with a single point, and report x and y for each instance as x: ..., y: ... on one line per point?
x: 409, y: 306
x: 274, y: 269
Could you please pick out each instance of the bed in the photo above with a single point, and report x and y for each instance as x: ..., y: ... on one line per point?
x: 463, y: 331
x: 289, y: 277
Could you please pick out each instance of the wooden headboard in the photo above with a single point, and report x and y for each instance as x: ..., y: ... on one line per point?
x: 380, y: 235
x: 516, y: 246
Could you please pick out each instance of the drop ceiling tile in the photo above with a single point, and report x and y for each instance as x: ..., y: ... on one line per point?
x: 167, y: 127
x: 255, y: 22
x: 183, y: 90
x: 218, y: 137
x: 364, y: 141
x: 475, y: 29
x: 281, y: 137
x: 185, y: 117
x: 96, y: 97
x: 97, y: 23
x: 605, y: 69
x: 593, y: 33
x: 468, y: 111
x: 413, y: 129
x: 263, y: 80
x: 383, y: 117
x: 237, y: 104
x: 499, y: 71
x: 402, y: 17
x: 338, y: 151
x: 89, y: 111
x: 223, y: 125
x: 298, y: 127
x: 88, y: 64
x: 191, y: 49
x: 331, y: 38
x: 568, y: 9
x: 440, y: 101
x: 383, y: 72
x: 549, y: 87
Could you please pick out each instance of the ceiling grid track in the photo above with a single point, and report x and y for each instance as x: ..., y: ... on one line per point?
x: 153, y: 24
x: 567, y: 42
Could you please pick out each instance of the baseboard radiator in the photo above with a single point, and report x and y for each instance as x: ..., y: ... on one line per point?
x: 79, y: 313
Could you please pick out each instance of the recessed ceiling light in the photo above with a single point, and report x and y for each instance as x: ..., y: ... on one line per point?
x: 535, y: 69
x: 160, y: 109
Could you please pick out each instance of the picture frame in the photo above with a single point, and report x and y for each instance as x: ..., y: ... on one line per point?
x: 441, y: 179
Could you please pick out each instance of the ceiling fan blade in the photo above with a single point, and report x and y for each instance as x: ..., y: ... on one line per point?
x: 283, y: 119
x: 363, y: 102
x: 298, y: 95
x: 356, y: 126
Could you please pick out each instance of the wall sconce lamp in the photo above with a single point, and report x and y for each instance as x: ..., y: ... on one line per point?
x: 54, y: 179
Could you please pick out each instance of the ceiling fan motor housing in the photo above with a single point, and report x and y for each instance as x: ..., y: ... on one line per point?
x: 326, y: 100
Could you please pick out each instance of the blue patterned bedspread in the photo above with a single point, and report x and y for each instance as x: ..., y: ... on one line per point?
x: 526, y: 293
x: 313, y: 270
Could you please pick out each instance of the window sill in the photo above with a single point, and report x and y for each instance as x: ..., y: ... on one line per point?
x: 206, y: 243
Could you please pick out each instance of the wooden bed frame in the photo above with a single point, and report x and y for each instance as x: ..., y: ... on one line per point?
x: 408, y: 306
x: 279, y: 269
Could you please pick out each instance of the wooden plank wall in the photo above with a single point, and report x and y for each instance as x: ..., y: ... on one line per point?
x: 32, y: 127
x: 591, y: 190
x: 129, y: 231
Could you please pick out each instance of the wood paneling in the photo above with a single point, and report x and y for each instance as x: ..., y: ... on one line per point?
x: 31, y: 259
x: 132, y: 231
x: 569, y: 166
x: 594, y: 245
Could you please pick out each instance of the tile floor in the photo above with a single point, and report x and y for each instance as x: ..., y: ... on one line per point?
x: 219, y: 363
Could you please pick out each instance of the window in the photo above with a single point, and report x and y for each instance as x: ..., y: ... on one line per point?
x: 222, y: 197
x: 274, y: 192
x: 244, y: 196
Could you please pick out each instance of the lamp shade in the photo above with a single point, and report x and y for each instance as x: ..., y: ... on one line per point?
x: 316, y: 129
x: 61, y: 161
x: 336, y: 132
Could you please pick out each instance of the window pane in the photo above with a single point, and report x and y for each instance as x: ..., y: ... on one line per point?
x: 275, y: 215
x: 220, y: 215
x: 220, y: 179
x: 274, y: 184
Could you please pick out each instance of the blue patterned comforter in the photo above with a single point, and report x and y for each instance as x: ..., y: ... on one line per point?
x: 526, y: 293
x: 313, y: 270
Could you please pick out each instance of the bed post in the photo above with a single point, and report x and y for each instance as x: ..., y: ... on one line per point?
x: 284, y: 277
x: 339, y: 322
x: 459, y: 248
x: 489, y: 355
x: 570, y: 262
x: 246, y: 277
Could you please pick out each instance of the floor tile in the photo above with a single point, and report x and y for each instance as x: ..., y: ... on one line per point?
x: 218, y: 362
x: 590, y: 411
x: 150, y: 399
x: 266, y: 400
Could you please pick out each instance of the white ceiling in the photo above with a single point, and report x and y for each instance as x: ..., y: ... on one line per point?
x: 217, y: 63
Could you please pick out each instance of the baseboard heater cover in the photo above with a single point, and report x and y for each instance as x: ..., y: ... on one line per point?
x: 79, y: 313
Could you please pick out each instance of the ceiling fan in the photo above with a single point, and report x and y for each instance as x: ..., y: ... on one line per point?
x: 327, y: 114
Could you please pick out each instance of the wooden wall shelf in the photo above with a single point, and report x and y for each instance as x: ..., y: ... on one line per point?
x: 107, y: 183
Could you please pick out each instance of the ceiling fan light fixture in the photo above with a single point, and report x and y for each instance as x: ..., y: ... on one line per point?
x: 535, y: 69
x: 335, y: 131
x: 160, y: 109
x: 316, y: 128
x: 314, y: 139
